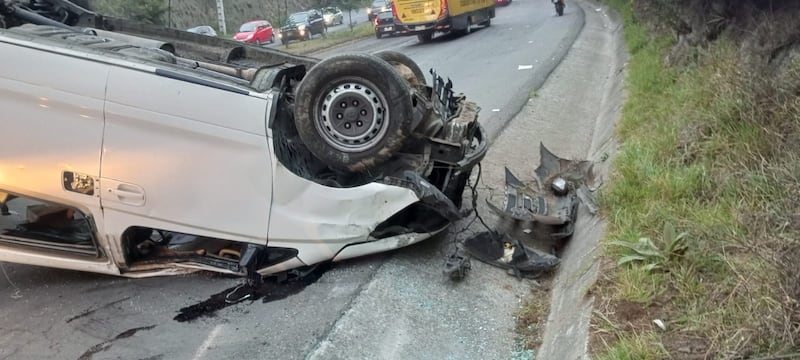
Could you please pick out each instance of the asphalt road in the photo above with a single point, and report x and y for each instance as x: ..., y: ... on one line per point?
x: 396, y: 305
x: 497, y: 66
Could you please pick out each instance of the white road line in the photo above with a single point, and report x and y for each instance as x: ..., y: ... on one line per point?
x: 201, y: 351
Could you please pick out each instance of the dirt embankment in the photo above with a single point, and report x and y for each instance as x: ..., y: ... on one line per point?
x: 766, y: 31
x: 184, y: 14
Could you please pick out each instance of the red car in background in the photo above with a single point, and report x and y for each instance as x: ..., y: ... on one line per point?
x: 502, y: 2
x: 255, y: 32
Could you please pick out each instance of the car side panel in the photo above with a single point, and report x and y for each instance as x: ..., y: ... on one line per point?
x: 199, y: 156
x: 264, y: 35
x: 52, y: 121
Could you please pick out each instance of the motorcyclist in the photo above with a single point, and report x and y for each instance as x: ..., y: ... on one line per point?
x: 560, y: 5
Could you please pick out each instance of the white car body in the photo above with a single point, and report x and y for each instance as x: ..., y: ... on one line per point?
x: 166, y: 149
x: 203, y: 30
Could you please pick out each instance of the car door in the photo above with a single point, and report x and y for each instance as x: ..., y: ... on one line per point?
x: 52, y: 131
x: 261, y: 33
x: 185, y: 154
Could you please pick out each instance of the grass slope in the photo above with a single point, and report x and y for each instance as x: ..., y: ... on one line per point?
x: 703, y: 209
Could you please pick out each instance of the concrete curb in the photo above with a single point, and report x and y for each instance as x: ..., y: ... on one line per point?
x: 566, y: 334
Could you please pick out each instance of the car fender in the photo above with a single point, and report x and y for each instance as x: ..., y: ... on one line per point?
x: 319, y: 220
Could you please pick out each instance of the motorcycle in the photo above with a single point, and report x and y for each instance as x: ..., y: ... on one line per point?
x: 559, y: 6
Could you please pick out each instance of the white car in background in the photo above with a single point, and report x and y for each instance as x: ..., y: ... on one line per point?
x: 203, y: 30
x: 130, y: 149
x: 333, y: 16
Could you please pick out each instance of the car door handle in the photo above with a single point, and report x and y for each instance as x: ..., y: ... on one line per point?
x: 129, y: 194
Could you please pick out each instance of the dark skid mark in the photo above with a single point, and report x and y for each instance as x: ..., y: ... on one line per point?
x: 270, y: 290
x: 92, y: 311
x: 105, y: 345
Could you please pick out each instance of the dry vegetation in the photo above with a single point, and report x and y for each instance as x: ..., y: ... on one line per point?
x: 708, y: 175
x: 532, y: 317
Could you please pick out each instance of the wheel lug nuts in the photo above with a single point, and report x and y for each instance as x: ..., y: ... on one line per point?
x: 359, y: 123
x: 343, y: 105
x: 347, y: 125
x: 339, y: 116
x: 363, y: 112
x: 355, y: 102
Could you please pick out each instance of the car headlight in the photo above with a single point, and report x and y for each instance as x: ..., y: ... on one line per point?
x: 369, y: 11
x: 301, y: 28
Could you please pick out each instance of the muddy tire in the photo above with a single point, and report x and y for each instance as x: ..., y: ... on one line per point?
x: 353, y: 111
x: 560, y: 8
x: 400, y: 61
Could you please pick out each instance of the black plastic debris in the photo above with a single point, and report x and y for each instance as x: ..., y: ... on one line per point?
x: 505, y: 252
x: 535, y: 215
x: 457, y: 265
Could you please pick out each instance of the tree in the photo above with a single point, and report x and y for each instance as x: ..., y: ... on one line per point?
x: 149, y: 11
x: 349, y: 6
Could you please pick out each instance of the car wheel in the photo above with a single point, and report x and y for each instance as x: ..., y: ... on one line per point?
x: 377, y: 34
x: 272, y: 39
x: 308, y: 35
x: 403, y: 63
x: 426, y: 36
x: 468, y: 29
x: 353, y: 111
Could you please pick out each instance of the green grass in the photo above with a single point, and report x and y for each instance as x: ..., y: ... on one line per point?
x: 707, y: 148
x: 359, y: 31
x: 635, y: 348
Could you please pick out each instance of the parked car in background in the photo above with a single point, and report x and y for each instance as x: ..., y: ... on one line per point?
x: 255, y: 32
x: 377, y: 7
x: 302, y: 26
x: 502, y: 2
x: 384, y: 24
x: 332, y: 16
x: 203, y: 30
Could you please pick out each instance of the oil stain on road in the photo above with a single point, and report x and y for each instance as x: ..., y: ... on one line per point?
x: 270, y: 289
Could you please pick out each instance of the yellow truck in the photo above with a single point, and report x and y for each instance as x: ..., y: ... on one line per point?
x: 425, y: 17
